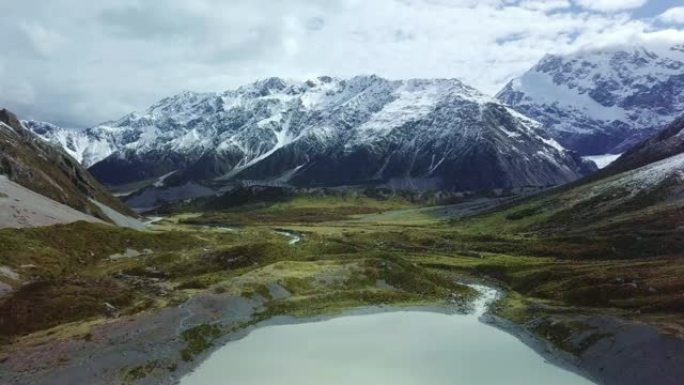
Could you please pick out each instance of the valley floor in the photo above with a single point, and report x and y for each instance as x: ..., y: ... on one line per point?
x: 89, y: 303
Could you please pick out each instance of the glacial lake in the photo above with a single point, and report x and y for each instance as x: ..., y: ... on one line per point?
x: 404, y: 347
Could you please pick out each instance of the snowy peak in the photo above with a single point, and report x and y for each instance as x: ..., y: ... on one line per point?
x: 602, y: 101
x: 318, y: 93
x: 415, y: 134
x: 609, y: 77
x: 85, y: 146
x: 198, y: 122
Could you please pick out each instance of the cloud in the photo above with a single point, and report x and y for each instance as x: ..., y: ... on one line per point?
x: 81, y: 62
x: 20, y: 91
x: 545, y: 5
x: 44, y: 41
x: 673, y: 15
x: 610, y: 5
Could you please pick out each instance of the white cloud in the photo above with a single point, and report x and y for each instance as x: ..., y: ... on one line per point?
x: 19, y: 90
x: 610, y: 5
x: 673, y: 15
x: 109, y: 57
x: 44, y: 41
x: 544, y: 5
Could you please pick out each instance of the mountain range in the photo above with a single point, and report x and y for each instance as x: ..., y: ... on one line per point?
x: 415, y: 134
x: 284, y: 197
x: 602, y: 101
x: 420, y: 134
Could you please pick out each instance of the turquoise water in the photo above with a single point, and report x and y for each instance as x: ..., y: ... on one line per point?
x: 398, y: 348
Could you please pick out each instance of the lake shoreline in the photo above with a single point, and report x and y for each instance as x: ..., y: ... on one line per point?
x: 590, y: 364
x: 544, y: 349
x: 624, y: 353
x: 280, y: 320
x: 287, y: 320
x: 551, y: 353
x: 162, y: 342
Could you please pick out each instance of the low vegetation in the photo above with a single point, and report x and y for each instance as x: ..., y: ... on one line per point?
x: 199, y: 339
x: 300, y: 209
x: 139, y: 372
x: 61, y: 250
x: 81, y: 272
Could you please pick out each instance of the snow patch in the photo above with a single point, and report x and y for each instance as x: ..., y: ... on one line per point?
x: 602, y: 161
x: 161, y: 180
x: 283, y: 137
x: 646, y: 177
x: 541, y: 88
x: 410, y: 104
x: 553, y: 143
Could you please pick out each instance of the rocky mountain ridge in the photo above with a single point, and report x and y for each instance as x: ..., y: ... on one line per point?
x: 602, y: 101
x: 409, y: 134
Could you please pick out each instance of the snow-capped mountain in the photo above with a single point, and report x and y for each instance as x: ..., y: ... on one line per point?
x: 602, y: 101
x: 86, y: 146
x: 419, y: 134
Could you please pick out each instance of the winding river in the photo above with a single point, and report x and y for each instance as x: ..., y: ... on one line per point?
x: 294, y: 237
x: 403, y: 347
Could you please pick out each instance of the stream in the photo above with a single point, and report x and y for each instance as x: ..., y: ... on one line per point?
x: 294, y: 237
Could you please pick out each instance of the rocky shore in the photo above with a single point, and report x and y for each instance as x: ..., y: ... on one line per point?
x: 144, y: 349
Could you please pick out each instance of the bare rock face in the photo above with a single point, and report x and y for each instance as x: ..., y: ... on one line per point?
x: 602, y: 101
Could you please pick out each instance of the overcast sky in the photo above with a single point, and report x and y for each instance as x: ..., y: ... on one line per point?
x: 81, y: 62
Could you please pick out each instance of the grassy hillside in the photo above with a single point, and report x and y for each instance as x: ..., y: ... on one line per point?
x: 40, y: 167
x: 609, y: 247
x: 63, y: 272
